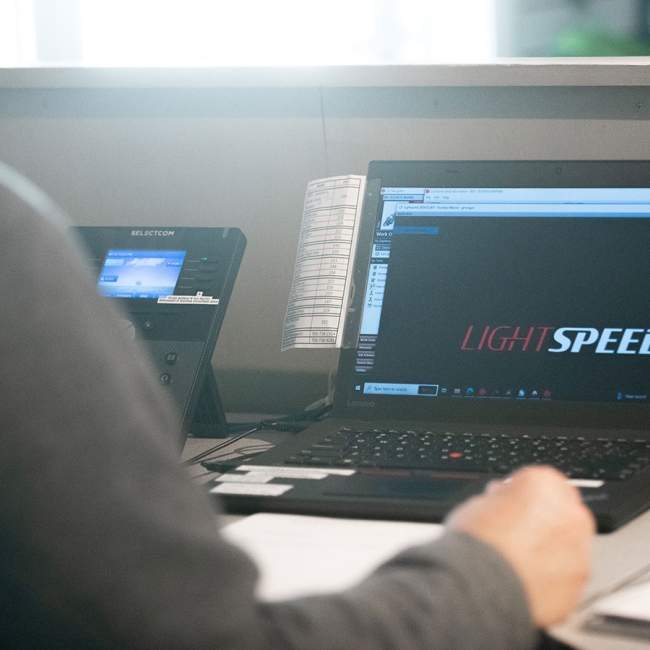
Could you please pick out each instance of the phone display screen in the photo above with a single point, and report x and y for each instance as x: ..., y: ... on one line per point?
x: 140, y: 273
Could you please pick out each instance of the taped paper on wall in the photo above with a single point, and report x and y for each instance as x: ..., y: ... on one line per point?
x: 322, y: 275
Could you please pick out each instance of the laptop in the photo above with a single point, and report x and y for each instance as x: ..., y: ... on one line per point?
x: 500, y: 317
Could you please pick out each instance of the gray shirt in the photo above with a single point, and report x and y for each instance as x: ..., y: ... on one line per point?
x: 105, y: 542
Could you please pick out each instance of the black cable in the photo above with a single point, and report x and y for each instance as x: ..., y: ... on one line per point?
x: 289, y: 427
x: 222, y: 466
x: 226, y: 443
x: 251, y: 450
x: 296, y: 422
x: 242, y: 453
x: 292, y: 423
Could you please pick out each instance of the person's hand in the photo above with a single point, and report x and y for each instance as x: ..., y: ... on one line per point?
x: 538, y: 522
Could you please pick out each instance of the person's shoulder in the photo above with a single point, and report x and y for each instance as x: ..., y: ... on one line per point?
x: 24, y: 206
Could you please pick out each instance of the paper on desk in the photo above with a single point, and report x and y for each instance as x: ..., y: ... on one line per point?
x: 299, y: 555
x: 632, y: 603
x: 322, y: 275
x: 624, y: 613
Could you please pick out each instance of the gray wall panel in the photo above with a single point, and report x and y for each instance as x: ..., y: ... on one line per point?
x: 243, y: 156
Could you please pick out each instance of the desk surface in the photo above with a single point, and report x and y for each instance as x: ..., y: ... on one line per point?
x: 619, y: 558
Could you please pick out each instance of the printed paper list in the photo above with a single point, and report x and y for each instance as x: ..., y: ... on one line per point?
x: 321, y: 280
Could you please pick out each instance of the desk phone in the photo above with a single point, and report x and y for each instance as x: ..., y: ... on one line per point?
x: 173, y: 286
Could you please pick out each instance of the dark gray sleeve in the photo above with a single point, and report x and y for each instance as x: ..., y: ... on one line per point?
x: 455, y: 593
x: 103, y: 530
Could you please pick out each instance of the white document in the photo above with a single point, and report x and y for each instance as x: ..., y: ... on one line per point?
x: 624, y: 613
x: 299, y: 555
x: 321, y: 279
x: 632, y: 603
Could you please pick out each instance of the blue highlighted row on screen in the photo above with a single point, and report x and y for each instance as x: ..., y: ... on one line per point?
x: 416, y: 230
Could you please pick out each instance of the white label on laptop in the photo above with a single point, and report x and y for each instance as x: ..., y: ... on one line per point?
x: 586, y: 483
x: 253, y: 490
x: 577, y: 482
x: 250, y: 477
x: 265, y: 477
x: 296, y: 472
x: 322, y: 275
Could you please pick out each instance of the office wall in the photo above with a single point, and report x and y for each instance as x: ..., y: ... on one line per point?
x: 200, y: 154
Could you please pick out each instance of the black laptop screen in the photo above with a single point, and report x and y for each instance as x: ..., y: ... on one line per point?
x: 523, y: 294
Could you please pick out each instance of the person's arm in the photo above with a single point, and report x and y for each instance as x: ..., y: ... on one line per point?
x: 538, y: 522
x: 106, y: 534
x: 463, y: 594
x: 455, y: 593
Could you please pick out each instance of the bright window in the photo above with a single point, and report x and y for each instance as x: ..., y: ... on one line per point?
x: 244, y: 32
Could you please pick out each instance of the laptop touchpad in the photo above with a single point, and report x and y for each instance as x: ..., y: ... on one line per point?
x: 407, y: 487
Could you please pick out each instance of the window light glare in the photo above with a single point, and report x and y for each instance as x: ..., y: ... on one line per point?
x: 170, y: 33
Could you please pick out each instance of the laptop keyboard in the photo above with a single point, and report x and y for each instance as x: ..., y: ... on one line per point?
x: 578, y: 458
